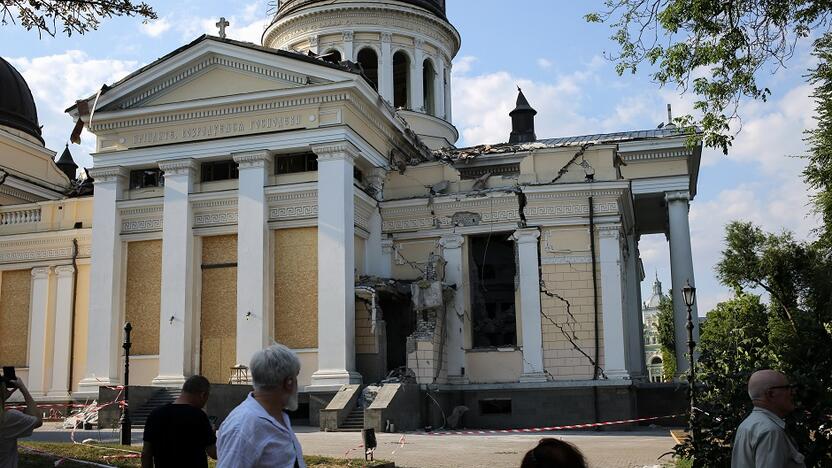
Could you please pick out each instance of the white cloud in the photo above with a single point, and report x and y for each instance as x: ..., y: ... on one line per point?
x: 155, y: 28
x: 57, y: 81
x: 544, y: 63
x: 463, y: 65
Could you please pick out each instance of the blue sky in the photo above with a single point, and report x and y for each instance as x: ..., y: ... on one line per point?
x: 543, y: 46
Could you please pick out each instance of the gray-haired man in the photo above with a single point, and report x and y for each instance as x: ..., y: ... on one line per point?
x: 761, y: 440
x: 258, y: 433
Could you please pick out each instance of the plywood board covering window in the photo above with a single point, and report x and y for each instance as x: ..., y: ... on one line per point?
x: 15, y: 292
x: 143, y: 295
x: 296, y: 287
x: 218, y: 319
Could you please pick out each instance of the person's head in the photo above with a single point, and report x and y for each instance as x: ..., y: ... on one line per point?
x: 274, y: 371
x: 771, y: 390
x: 196, y: 391
x: 554, y: 453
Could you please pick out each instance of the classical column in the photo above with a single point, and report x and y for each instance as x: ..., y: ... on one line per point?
x: 439, y: 89
x: 417, y: 85
x: 529, y: 274
x: 681, y: 271
x: 38, y: 321
x: 349, y: 48
x: 374, y: 258
x: 385, y: 69
x: 105, y: 317
x: 386, y: 257
x: 454, y: 317
x: 176, y: 317
x: 447, y: 87
x: 252, y: 254
x: 635, y: 342
x: 336, y: 264
x: 612, y: 302
x: 62, y: 342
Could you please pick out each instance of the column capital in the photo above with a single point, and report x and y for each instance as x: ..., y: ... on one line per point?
x: 349, y: 35
x: 612, y: 231
x: 41, y: 272
x: 387, y: 245
x: 64, y: 271
x: 103, y: 175
x: 342, y: 150
x: 259, y: 158
x: 386, y: 37
x: 419, y: 44
x: 677, y: 196
x: 313, y: 40
x: 526, y: 235
x: 178, y: 167
x: 452, y: 241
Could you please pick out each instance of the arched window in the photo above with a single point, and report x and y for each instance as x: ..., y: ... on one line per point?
x: 428, y: 82
x: 368, y: 59
x: 332, y: 56
x: 401, y: 79
x: 656, y: 360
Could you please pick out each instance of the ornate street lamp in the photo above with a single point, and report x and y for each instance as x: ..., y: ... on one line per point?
x: 689, y: 294
x: 126, y: 425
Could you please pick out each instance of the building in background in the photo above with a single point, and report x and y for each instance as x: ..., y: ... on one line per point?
x: 652, y: 347
x: 307, y: 190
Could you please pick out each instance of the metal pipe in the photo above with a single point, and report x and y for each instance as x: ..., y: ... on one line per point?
x: 597, y: 370
x: 72, y: 312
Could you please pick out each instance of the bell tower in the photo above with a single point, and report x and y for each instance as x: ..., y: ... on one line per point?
x: 405, y: 48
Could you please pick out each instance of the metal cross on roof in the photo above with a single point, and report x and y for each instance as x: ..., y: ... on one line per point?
x: 222, y: 24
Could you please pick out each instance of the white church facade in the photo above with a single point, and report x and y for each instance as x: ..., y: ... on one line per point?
x: 308, y: 191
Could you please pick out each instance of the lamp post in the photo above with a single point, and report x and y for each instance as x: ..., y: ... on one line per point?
x: 126, y: 425
x: 689, y: 294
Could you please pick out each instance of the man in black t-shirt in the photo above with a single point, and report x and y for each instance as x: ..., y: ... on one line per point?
x: 179, y: 434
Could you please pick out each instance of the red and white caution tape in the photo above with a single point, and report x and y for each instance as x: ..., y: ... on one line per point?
x: 553, y: 428
x: 401, y: 445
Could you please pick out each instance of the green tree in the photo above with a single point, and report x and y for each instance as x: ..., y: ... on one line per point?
x: 713, y: 48
x: 667, y: 338
x: 818, y: 172
x: 79, y: 16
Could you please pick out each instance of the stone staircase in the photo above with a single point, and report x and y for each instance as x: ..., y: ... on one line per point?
x: 162, y: 397
x: 354, y: 421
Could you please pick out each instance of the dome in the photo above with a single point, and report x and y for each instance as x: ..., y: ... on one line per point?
x: 285, y: 7
x: 17, y: 106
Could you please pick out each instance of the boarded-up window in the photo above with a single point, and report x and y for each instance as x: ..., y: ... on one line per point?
x: 218, y: 317
x: 143, y: 295
x: 296, y: 287
x: 15, y: 292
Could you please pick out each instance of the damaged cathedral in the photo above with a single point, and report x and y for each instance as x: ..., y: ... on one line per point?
x: 308, y: 190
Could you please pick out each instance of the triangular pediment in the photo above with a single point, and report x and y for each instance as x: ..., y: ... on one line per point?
x: 212, y: 68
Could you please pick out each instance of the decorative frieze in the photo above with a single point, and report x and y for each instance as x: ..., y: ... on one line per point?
x: 141, y: 219
x: 292, y: 205
x: 216, y: 212
x: 43, y: 248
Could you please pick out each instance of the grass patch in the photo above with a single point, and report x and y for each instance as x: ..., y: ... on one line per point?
x: 51, y: 451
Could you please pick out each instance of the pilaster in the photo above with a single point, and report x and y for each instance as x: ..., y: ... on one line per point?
x: 336, y: 265
x: 176, y: 315
x: 349, y: 47
x: 386, y: 257
x: 105, y: 314
x: 681, y: 271
x: 612, y: 302
x: 529, y: 275
x: 417, y: 86
x: 62, y: 342
x: 38, y: 336
x: 439, y: 89
x: 455, y: 316
x: 252, y: 254
x: 313, y: 43
x: 385, y: 69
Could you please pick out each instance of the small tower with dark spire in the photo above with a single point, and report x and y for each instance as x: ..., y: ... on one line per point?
x: 522, y: 121
x: 66, y: 164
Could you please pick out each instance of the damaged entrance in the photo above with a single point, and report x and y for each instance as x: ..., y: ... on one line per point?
x: 492, y: 279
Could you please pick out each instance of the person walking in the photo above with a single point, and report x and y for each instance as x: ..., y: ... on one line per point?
x: 761, y: 440
x: 179, y: 434
x: 15, y: 424
x: 257, y: 433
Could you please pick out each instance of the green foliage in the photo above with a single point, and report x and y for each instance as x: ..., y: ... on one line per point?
x: 713, y: 48
x: 80, y: 16
x: 791, y: 333
x: 667, y: 338
x: 818, y: 172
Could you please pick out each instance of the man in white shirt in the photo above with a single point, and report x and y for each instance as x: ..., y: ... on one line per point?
x: 257, y: 433
x: 14, y: 424
x: 761, y: 440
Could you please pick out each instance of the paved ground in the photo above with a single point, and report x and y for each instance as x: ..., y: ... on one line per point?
x: 610, y: 449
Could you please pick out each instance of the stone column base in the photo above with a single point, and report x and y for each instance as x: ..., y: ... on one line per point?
x: 324, y: 380
x: 170, y: 381
x: 617, y: 374
x: 89, y: 385
x: 533, y: 377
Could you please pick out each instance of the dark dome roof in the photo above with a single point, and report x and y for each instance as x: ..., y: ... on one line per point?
x: 285, y: 7
x: 17, y: 107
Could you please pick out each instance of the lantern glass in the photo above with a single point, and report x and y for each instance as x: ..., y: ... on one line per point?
x: 689, y: 293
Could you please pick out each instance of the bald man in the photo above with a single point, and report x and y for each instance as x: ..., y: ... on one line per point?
x: 761, y: 440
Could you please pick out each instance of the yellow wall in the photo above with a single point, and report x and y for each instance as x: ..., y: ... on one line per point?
x: 143, y: 295
x: 494, y: 366
x: 412, y: 253
x: 82, y: 304
x: 296, y: 287
x: 15, y: 294
x: 218, y: 323
x: 366, y: 342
